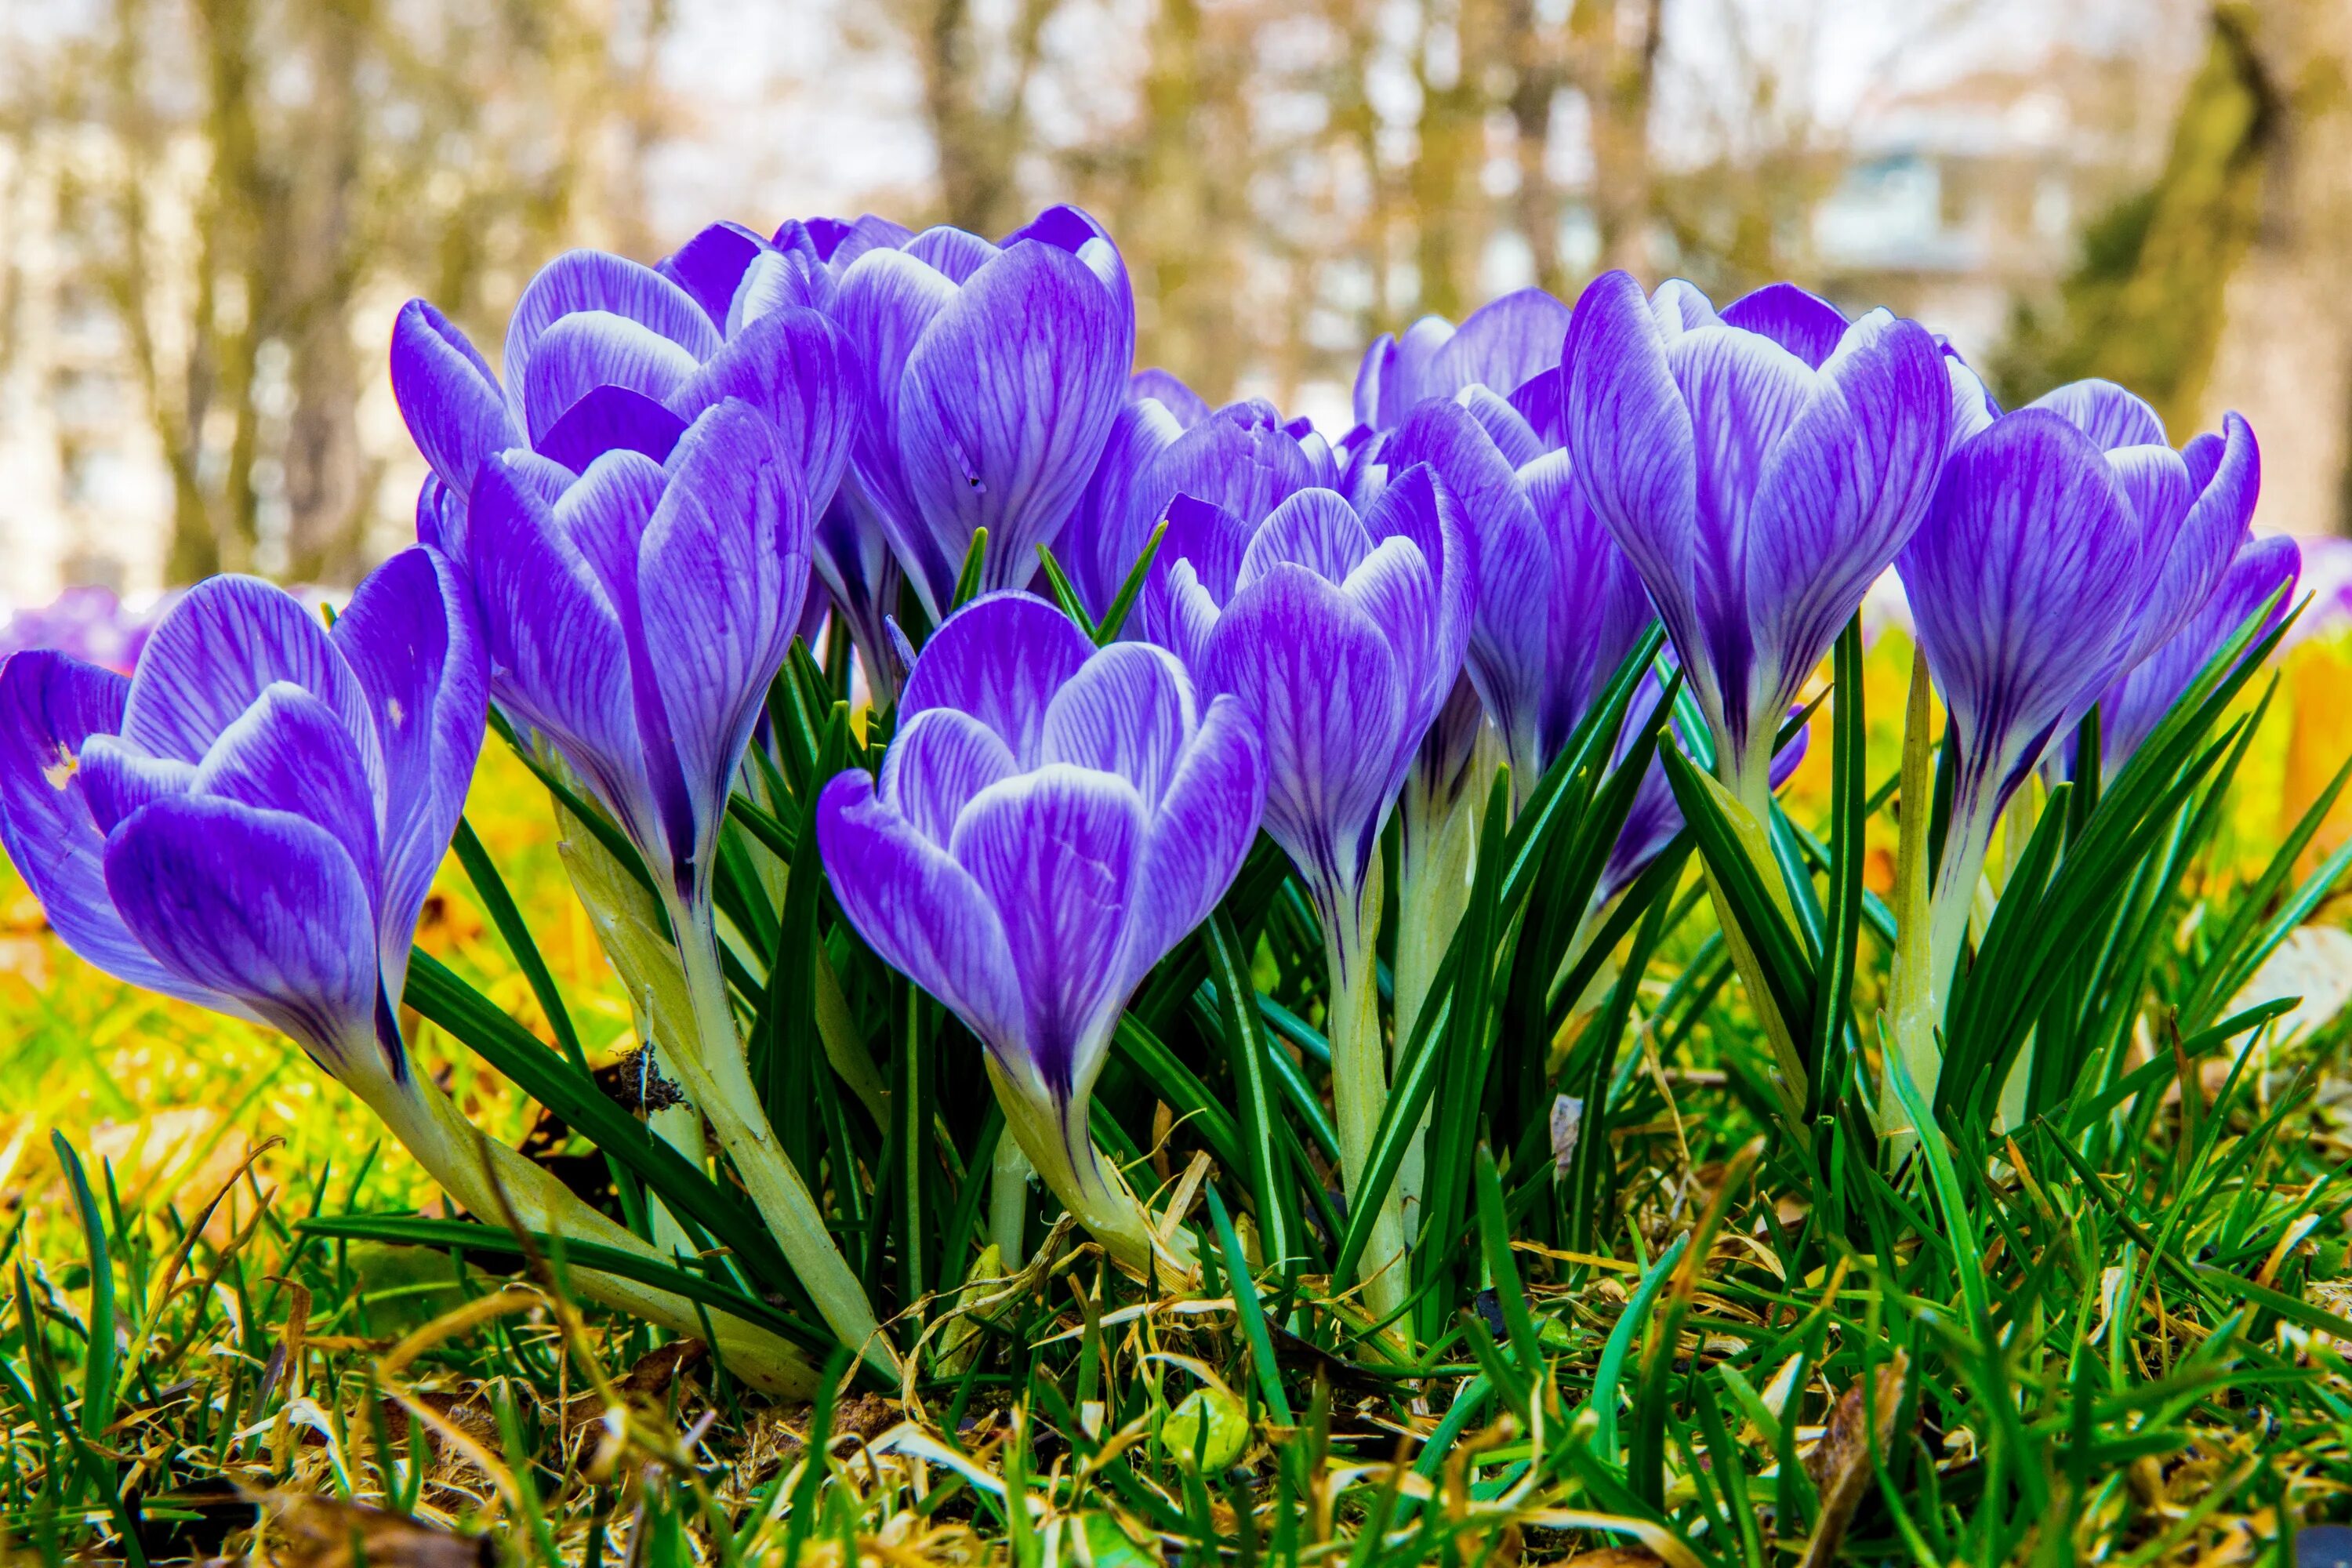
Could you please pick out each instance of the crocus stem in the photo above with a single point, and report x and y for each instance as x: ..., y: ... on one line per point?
x: 1745, y: 797
x: 1055, y: 1139
x: 679, y: 1126
x: 1910, y: 1029
x: 497, y: 1185
x: 1008, y: 1203
x: 1359, y: 1079
x: 719, y: 1080
x: 1439, y: 818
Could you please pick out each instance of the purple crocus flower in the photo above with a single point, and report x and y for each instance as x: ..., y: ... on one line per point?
x: 1510, y: 346
x: 1050, y: 820
x: 251, y: 823
x: 1759, y: 468
x: 738, y: 279
x: 2026, y: 583
x: 1560, y: 606
x: 87, y: 621
x: 605, y: 354
x: 1244, y: 458
x: 252, y: 820
x: 636, y: 617
x: 1341, y: 634
x: 2195, y: 504
x: 990, y: 377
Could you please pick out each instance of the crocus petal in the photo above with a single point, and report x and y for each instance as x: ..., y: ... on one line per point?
x: 2015, y: 580
x: 452, y: 402
x: 556, y: 653
x: 884, y: 302
x: 937, y: 761
x: 1239, y: 458
x: 1187, y: 406
x: 955, y: 253
x: 221, y: 647
x: 1006, y: 404
x: 1397, y: 591
x: 1315, y: 529
x: 1129, y: 710
x: 722, y: 570
x: 1517, y: 440
x: 410, y: 639
x: 1510, y: 625
x: 1805, y: 324
x: 839, y: 243
x: 922, y: 911
x: 1321, y: 681
x: 610, y: 419
x: 2225, y: 475
x: 1744, y: 393
x: 1000, y: 659
x: 1200, y: 834
x: 2130, y: 709
x: 1415, y: 505
x: 262, y: 906
x: 1679, y: 307
x: 1500, y: 345
x: 1372, y: 375
x: 2110, y: 415
x: 1597, y: 608
x: 1841, y: 496
x: 773, y: 282
x: 1405, y: 380
x: 1100, y: 544
x: 117, y: 778
x: 793, y: 366
x: 53, y: 708
x: 1629, y: 435
x: 1539, y: 401
x: 590, y: 349
x: 709, y: 266
x: 594, y: 280
x: 1054, y: 851
x: 288, y: 752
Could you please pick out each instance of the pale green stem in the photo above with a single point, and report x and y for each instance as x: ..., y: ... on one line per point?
x: 1359, y: 1082
x: 680, y: 1127
x: 719, y: 1079
x: 1055, y: 1139
x: 1439, y: 818
x: 1008, y: 1203
x: 498, y: 1185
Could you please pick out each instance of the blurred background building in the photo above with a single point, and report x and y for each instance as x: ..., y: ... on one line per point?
x: 209, y: 209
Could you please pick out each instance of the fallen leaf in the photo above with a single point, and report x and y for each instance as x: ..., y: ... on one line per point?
x: 315, y: 1532
x: 1840, y: 1465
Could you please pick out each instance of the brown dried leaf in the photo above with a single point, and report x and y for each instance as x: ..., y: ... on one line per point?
x: 1840, y: 1464
x: 312, y: 1532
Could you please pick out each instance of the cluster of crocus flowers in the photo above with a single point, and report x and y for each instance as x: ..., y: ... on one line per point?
x: 677, y: 468
x: 251, y: 823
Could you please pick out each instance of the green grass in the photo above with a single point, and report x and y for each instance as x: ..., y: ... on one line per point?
x: 2114, y: 1334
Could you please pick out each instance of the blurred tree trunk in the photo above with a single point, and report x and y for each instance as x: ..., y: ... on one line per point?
x: 1185, y: 219
x: 2147, y: 305
x: 1614, y: 46
x: 265, y: 163
x: 327, y: 485
x: 1536, y: 77
x: 978, y: 111
x: 2283, y: 351
x: 1449, y: 207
